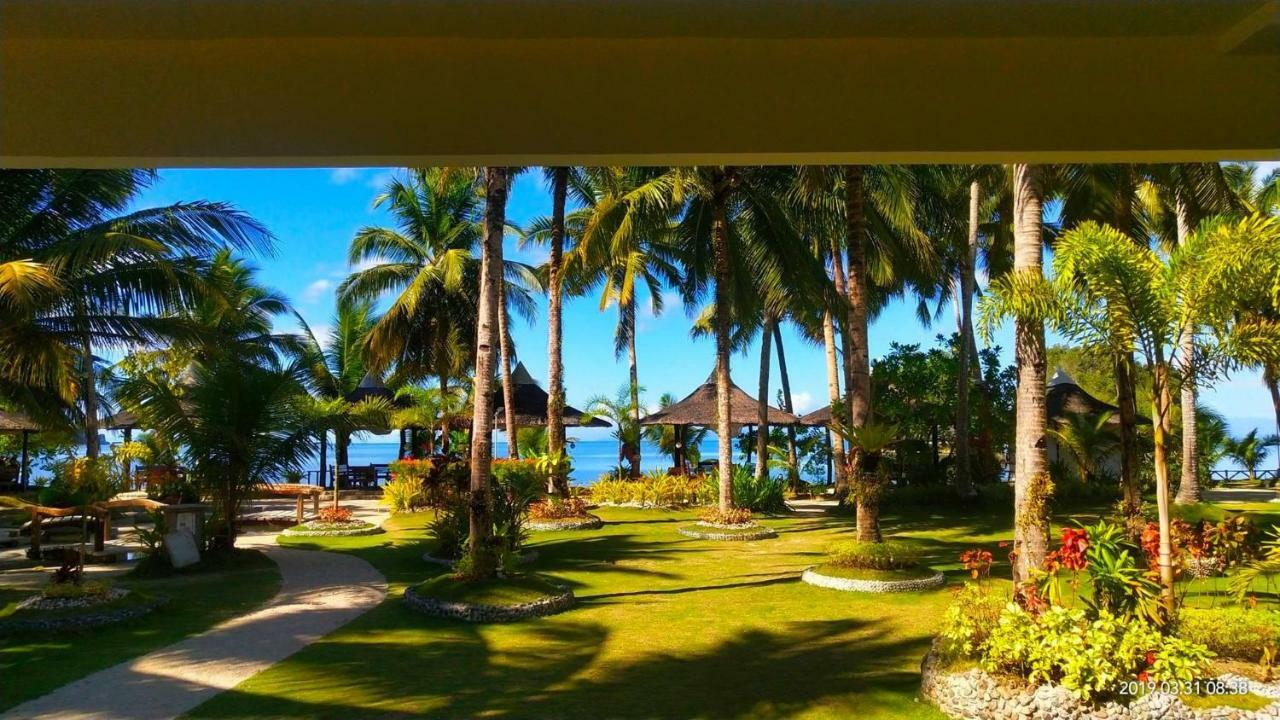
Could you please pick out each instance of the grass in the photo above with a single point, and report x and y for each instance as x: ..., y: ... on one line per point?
x: 511, y: 590
x: 35, y: 664
x: 665, y: 626
x: 915, y: 573
x: 1243, y: 701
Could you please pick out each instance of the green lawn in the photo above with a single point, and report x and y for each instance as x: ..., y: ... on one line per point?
x: 665, y: 626
x: 33, y: 665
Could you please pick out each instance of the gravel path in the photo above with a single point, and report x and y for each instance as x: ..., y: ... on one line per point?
x: 320, y: 592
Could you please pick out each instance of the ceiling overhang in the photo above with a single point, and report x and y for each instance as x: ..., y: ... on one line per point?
x: 377, y: 82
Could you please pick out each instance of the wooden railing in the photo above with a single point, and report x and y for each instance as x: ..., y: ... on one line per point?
x: 1266, y: 477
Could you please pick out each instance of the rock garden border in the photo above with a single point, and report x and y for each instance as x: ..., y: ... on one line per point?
x: 974, y: 693
x: 315, y: 528
x: 93, y: 617
x: 813, y: 577
x: 711, y: 531
x: 482, y: 613
x: 590, y: 522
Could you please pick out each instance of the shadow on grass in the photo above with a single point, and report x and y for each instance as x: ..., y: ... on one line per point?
x: 840, y: 665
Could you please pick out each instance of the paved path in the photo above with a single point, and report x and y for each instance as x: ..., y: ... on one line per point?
x: 320, y: 592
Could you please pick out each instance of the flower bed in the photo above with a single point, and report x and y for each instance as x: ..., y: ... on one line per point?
x: 44, y: 615
x: 704, y: 530
x: 873, y: 581
x: 584, y: 522
x: 974, y: 693
x: 320, y: 528
x: 530, y: 597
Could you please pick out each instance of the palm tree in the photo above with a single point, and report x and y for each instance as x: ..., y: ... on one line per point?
x: 623, y: 239
x: 870, y: 442
x: 618, y: 411
x: 555, y: 336
x: 1088, y: 438
x: 1250, y: 452
x: 81, y: 271
x: 240, y: 423
x: 482, y: 553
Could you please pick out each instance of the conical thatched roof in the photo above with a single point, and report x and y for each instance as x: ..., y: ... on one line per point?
x: 123, y: 420
x: 1065, y: 397
x: 818, y: 418
x: 531, y: 405
x: 699, y: 408
x: 371, y: 387
x: 17, y: 422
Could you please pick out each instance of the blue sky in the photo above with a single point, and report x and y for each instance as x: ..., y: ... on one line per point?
x: 314, y: 213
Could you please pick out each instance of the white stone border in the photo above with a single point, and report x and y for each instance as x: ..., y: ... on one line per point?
x: 703, y: 531
x: 813, y: 577
x: 366, y: 528
x: 590, y: 522
x: 482, y: 613
x: 96, y: 616
x: 976, y: 694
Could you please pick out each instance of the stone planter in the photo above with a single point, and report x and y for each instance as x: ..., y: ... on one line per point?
x: 481, y: 613
x: 710, y: 531
x: 813, y: 577
x: 976, y: 694
x: 590, y: 522
x: 316, y: 528
x: 93, y: 616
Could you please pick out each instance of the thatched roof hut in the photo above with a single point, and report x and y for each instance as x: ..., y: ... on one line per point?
x: 371, y: 387
x: 818, y: 418
x: 531, y: 405
x: 699, y: 408
x: 16, y: 422
x: 1066, y: 397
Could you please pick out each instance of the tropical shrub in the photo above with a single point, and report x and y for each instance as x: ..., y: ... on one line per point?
x: 974, y: 611
x: 732, y: 516
x: 404, y: 494
x: 81, y: 481
x: 450, y: 529
x: 334, y: 515
x: 653, y: 489
x: 520, y: 472
x: 766, y: 495
x: 1120, y: 587
x: 418, y: 469
x: 889, y: 555
x: 555, y: 508
x: 1087, y: 655
x: 1241, y: 634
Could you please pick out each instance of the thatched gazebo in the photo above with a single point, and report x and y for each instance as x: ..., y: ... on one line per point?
x: 531, y: 405
x: 18, y: 423
x: 698, y: 408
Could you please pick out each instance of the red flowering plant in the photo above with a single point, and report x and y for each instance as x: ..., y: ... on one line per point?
x: 1072, y: 554
x: 978, y: 562
x: 334, y: 515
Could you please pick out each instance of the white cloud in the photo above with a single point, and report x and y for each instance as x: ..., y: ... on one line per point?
x: 379, y: 180
x: 316, y: 290
x: 802, y: 402
x: 342, y: 176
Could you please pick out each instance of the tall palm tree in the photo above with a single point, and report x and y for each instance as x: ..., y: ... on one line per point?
x: 83, y: 272
x: 617, y: 410
x: 555, y: 335
x: 482, y: 554
x: 1031, y: 473
x: 623, y: 240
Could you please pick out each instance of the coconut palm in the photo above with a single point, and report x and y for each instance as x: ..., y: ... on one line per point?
x: 81, y: 271
x: 618, y: 411
x: 1250, y: 452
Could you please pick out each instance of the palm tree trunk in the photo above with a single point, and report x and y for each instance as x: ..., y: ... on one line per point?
x: 842, y: 321
x: 482, y: 557
x: 1269, y: 377
x: 1160, y: 435
x: 1189, y: 484
x: 762, y: 405
x: 833, y: 392
x: 633, y: 374
x: 793, y: 460
x: 444, y: 416
x: 324, y: 458
x: 91, y: 445
x: 1031, y: 477
x: 558, y: 484
x: 964, y: 482
x: 859, y: 359
x: 508, y: 392
x: 1126, y: 399
x: 720, y: 252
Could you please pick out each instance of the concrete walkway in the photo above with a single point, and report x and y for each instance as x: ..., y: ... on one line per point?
x: 320, y: 592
